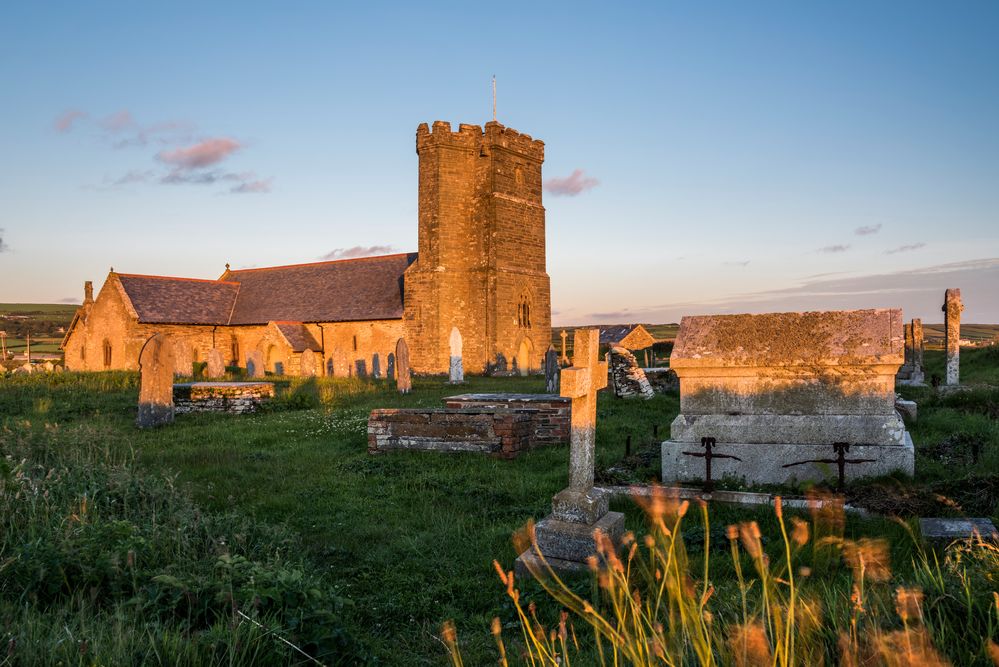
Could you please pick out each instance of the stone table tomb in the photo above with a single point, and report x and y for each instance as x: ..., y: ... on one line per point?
x: 778, y: 389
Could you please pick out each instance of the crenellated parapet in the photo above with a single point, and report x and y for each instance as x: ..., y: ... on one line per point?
x: 472, y: 137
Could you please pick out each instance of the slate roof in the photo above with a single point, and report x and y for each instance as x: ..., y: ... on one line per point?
x: 162, y: 300
x: 366, y: 288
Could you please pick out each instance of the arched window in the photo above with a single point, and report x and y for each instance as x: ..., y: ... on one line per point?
x: 524, y: 313
x: 107, y: 353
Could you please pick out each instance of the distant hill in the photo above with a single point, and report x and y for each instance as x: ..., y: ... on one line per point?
x: 46, y: 322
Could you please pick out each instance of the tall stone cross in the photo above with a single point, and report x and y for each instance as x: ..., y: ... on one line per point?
x: 580, y: 382
x: 952, y: 335
x: 565, y: 359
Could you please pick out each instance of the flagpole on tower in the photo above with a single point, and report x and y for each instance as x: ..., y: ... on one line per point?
x: 494, y: 98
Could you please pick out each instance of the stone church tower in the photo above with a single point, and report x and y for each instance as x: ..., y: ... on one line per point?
x: 481, y: 265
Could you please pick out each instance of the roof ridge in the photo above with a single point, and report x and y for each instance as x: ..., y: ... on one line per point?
x: 196, y: 280
x: 328, y: 261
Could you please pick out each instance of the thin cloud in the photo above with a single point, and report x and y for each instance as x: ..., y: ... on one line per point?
x: 832, y: 249
x: 64, y: 122
x: 69, y: 299
x: 134, y: 176
x: 252, y: 187
x: 118, y: 121
x: 3, y: 246
x: 867, y: 230
x: 570, y: 186
x: 741, y: 264
x: 358, y: 251
x: 905, y: 248
x: 202, y: 154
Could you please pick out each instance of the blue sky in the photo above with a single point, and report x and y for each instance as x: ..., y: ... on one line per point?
x: 734, y: 157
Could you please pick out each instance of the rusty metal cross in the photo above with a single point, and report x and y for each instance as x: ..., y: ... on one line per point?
x: 708, y: 454
x: 841, y: 448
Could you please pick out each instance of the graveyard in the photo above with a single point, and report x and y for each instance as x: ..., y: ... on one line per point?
x: 356, y: 556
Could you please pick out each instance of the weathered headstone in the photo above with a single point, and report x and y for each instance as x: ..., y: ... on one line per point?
x: 779, y: 390
x: 341, y: 364
x: 183, y: 355
x: 552, y: 371
x: 329, y: 367
x: 952, y: 324
x: 404, y: 382
x: 918, y: 345
x: 156, y: 366
x: 627, y: 377
x: 307, y: 364
x: 376, y: 365
x: 565, y: 538
x: 457, y: 372
x: 255, y: 364
x: 360, y: 368
x: 501, y: 367
x: 390, y: 367
x: 216, y: 366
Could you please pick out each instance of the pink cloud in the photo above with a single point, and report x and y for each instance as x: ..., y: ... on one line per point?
x: 574, y: 184
x: 64, y: 123
x: 358, y: 251
x: 252, y: 187
x: 118, y: 121
x: 202, y: 154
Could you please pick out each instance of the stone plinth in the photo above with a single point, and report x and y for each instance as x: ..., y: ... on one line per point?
x: 781, y: 388
x: 957, y: 529
x: 230, y: 397
x: 550, y: 412
x: 502, y: 433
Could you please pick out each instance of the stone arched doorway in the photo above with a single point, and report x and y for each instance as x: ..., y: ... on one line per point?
x: 525, y: 353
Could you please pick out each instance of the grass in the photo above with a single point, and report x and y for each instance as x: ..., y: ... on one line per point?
x: 396, y: 543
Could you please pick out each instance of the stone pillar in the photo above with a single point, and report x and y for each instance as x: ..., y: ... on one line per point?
x: 952, y: 324
x: 456, y: 368
x: 917, y: 350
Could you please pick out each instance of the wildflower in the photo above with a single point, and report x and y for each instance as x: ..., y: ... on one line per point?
x: 909, y: 603
x: 732, y: 532
x: 799, y: 531
x: 749, y: 646
x: 868, y: 557
x: 750, y: 534
x: 449, y: 632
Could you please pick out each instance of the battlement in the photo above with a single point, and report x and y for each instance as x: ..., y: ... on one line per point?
x: 472, y: 136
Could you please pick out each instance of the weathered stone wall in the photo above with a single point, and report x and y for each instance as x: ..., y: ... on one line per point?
x: 550, y: 417
x: 626, y: 376
x: 482, y: 249
x: 502, y: 433
x: 229, y: 397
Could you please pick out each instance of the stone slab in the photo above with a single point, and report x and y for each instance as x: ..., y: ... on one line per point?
x: 888, y: 430
x: 956, y: 529
x: 574, y: 541
x: 762, y: 463
x: 529, y: 560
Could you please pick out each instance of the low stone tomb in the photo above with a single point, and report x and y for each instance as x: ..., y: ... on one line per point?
x: 780, y: 390
x: 957, y: 529
x: 502, y: 433
x: 231, y: 397
x: 550, y: 413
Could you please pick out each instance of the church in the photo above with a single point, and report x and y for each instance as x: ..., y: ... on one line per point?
x: 479, y: 268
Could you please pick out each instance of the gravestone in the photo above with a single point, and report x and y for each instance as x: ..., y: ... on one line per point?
x: 952, y: 324
x: 360, y: 368
x: 255, y: 364
x: 390, y: 367
x: 911, y: 372
x: 156, y: 367
x: 376, y: 366
x: 565, y: 358
x: 627, y: 377
x: 183, y: 355
x: 341, y: 364
x: 565, y: 537
x: 216, y: 366
x: 307, y: 364
x: 457, y: 372
x: 404, y: 382
x: 552, y: 371
x: 780, y: 390
x: 501, y: 367
x: 329, y: 367
x: 957, y: 528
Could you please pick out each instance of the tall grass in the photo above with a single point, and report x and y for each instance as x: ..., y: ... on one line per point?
x: 101, y: 564
x: 653, y: 604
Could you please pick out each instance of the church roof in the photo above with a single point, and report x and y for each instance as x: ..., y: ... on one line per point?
x: 366, y: 288
x: 298, y: 337
x: 163, y: 300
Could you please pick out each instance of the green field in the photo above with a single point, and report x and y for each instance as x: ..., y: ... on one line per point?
x: 129, y: 546
x: 41, y: 320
